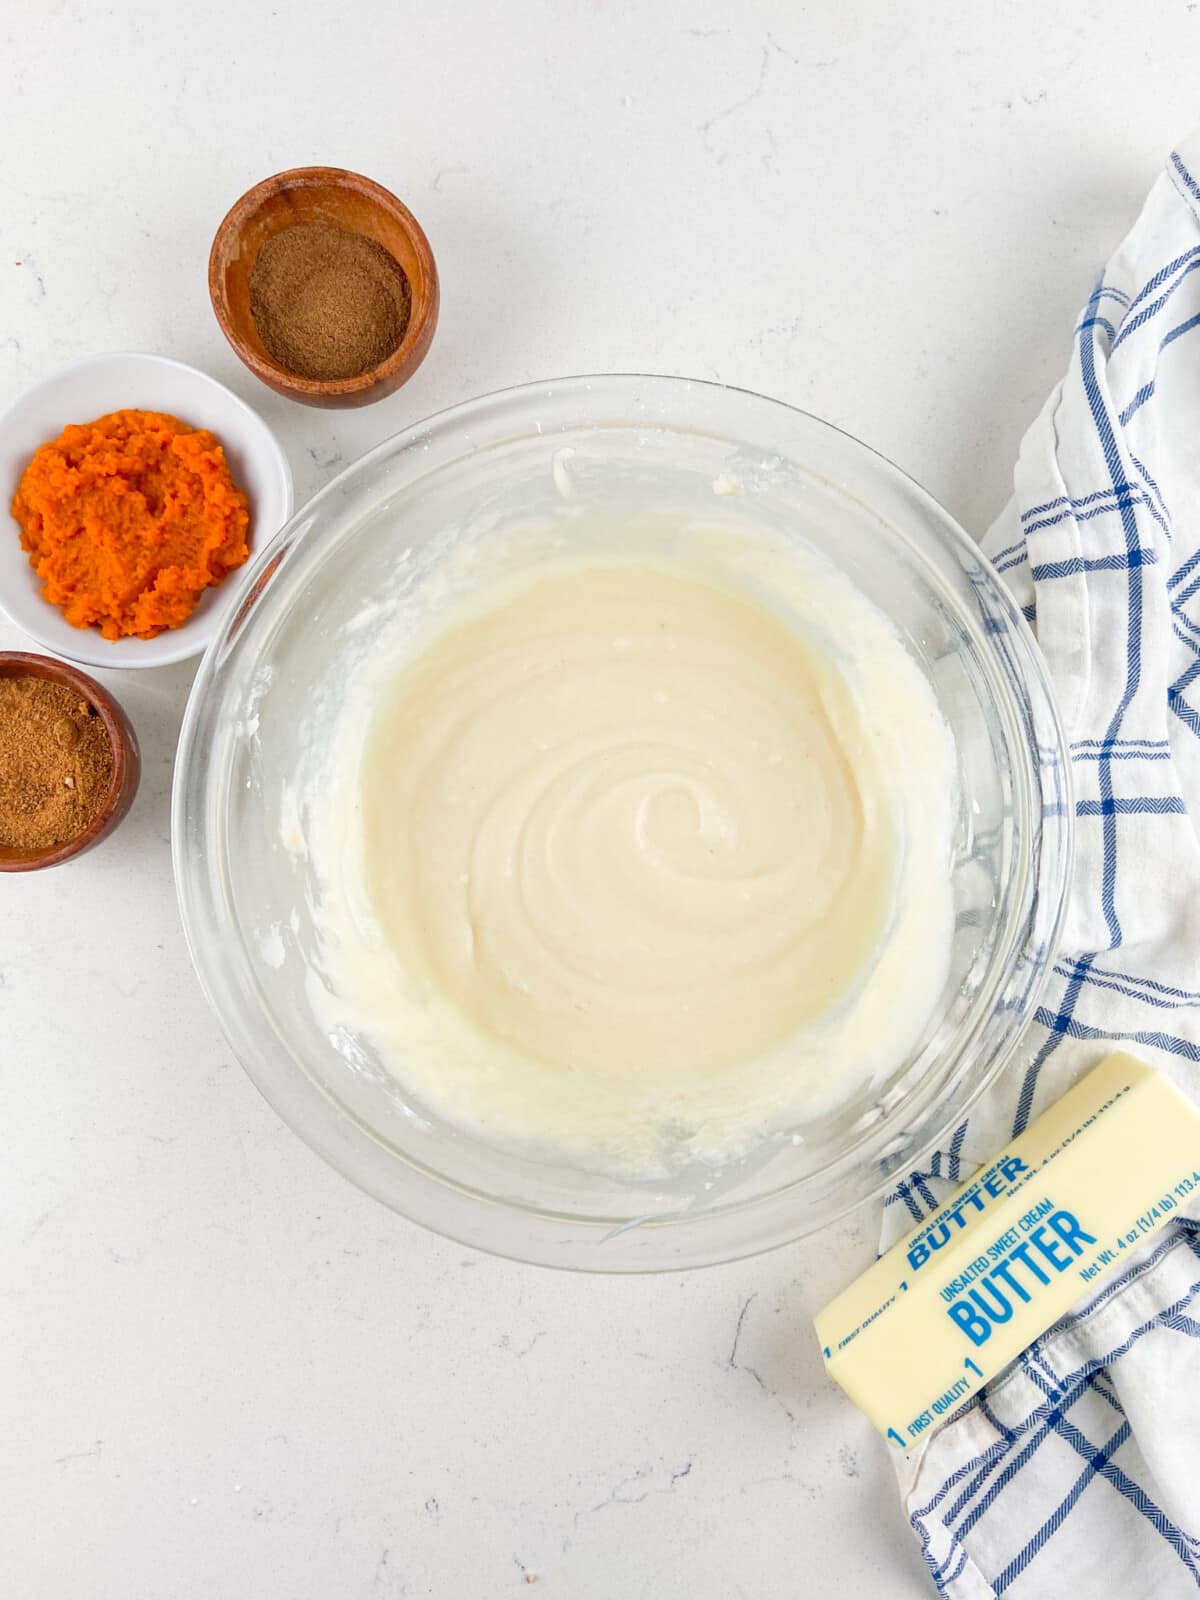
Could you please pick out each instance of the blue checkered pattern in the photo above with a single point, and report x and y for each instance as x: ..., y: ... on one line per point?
x: 1078, y: 1471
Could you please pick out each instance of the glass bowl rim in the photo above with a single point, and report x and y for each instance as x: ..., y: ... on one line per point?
x: 442, y: 1203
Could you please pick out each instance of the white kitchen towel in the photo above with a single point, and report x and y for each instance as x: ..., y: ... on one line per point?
x: 1078, y: 1471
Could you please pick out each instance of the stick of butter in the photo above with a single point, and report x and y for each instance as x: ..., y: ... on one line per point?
x: 1057, y: 1210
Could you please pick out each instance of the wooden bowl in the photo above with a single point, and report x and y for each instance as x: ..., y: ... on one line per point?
x: 127, y: 762
x: 339, y: 199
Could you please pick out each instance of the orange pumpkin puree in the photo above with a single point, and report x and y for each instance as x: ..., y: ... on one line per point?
x: 129, y: 519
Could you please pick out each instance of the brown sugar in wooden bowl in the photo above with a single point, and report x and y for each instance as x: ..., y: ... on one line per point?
x: 126, y: 761
x: 334, y: 198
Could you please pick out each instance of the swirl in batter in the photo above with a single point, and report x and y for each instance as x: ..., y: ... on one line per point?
x: 632, y: 866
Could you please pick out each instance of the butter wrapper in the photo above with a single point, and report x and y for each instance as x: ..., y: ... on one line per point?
x: 1060, y: 1208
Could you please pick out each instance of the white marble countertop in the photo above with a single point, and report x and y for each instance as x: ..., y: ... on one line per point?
x: 226, y: 1373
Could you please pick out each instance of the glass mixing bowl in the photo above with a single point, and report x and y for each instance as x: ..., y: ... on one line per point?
x: 271, y: 683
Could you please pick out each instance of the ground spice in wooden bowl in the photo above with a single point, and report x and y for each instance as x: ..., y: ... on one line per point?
x: 56, y: 763
x: 328, y: 302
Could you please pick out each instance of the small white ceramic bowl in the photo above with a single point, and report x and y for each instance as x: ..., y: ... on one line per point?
x: 90, y: 389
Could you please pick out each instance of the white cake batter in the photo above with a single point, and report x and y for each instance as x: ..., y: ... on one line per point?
x: 629, y: 868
